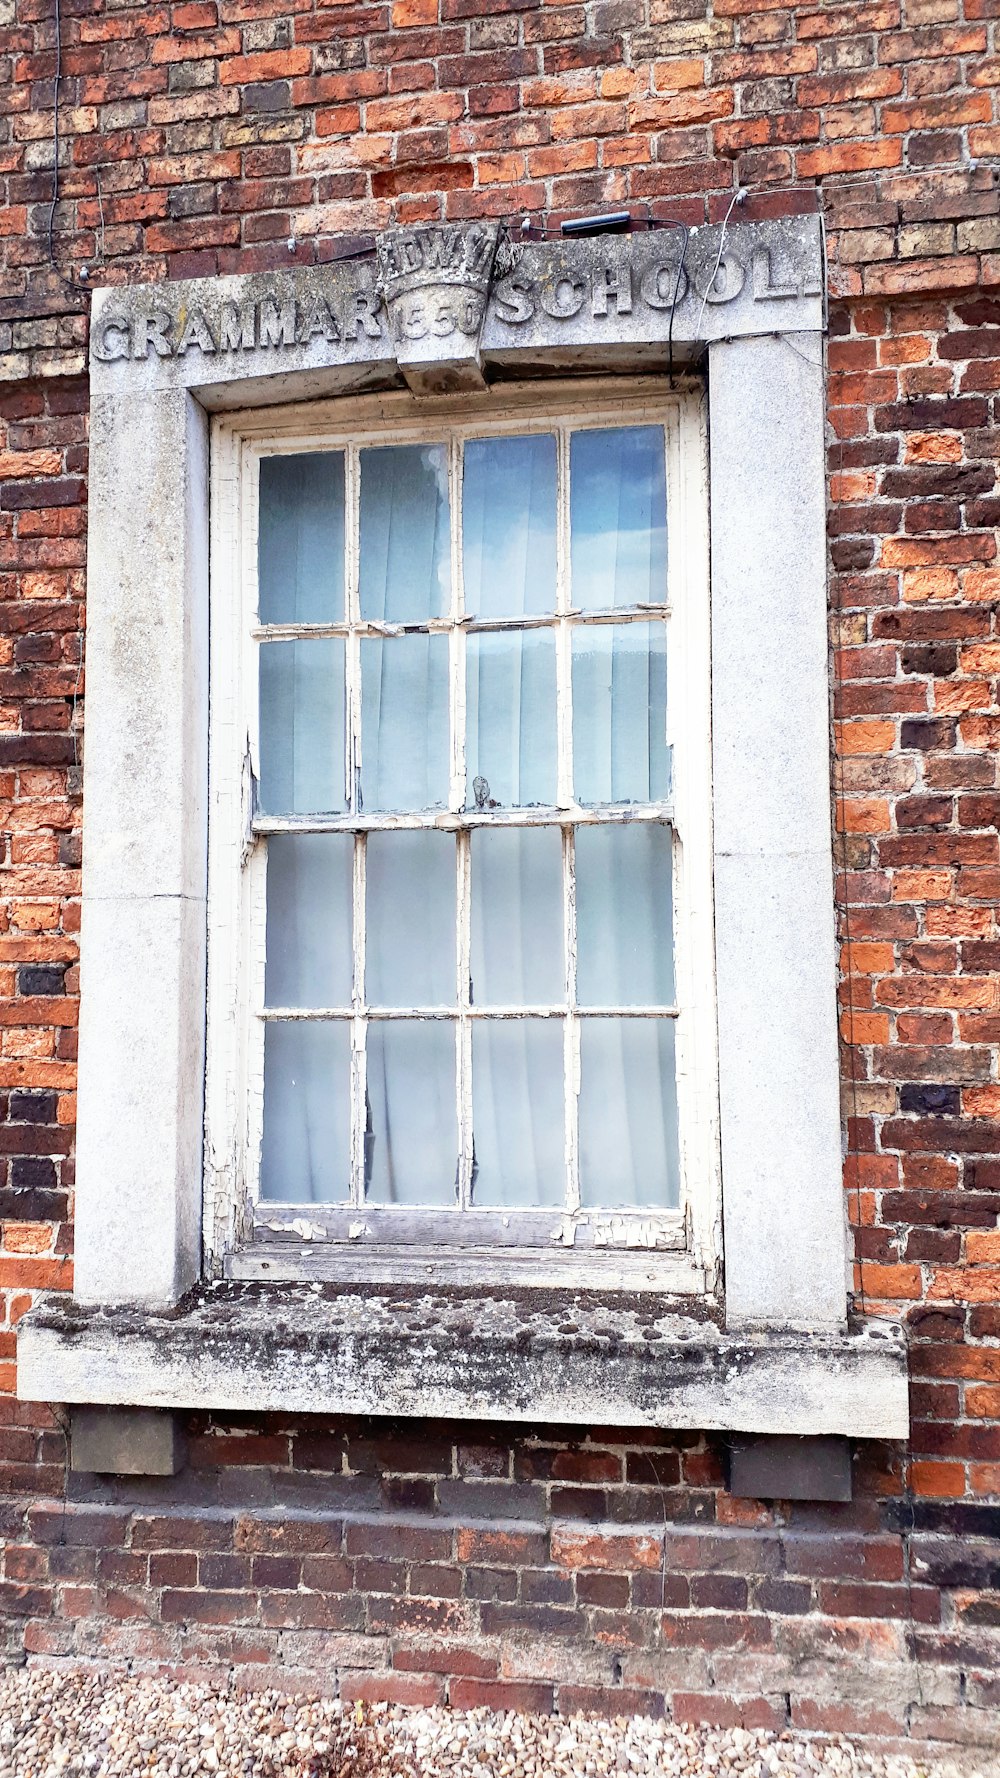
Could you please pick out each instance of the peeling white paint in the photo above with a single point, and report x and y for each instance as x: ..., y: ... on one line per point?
x: 297, y: 1225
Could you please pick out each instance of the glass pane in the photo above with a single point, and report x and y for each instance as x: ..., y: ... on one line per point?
x: 509, y: 526
x: 517, y: 917
x: 309, y: 919
x: 301, y: 542
x: 302, y: 727
x: 306, y: 1152
x: 628, y: 1114
x: 618, y: 517
x: 511, y: 719
x: 405, y: 533
x: 624, y: 926
x: 412, y: 1138
x: 517, y: 1113
x: 410, y: 933
x: 404, y: 723
x: 620, y: 752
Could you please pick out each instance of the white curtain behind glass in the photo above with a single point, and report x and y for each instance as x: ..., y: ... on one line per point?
x: 509, y: 558
x: 618, y: 517
x: 509, y: 526
x: 412, y: 1139
x: 412, y: 1144
x: 627, y: 1101
x: 300, y: 569
x: 517, y: 1067
x: 509, y: 555
x: 405, y: 577
x: 305, y: 1156
x: 618, y: 557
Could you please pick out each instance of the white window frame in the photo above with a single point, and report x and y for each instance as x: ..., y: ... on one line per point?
x: 675, y: 1250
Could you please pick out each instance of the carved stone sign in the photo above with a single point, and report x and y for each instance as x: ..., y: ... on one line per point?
x: 435, y: 283
x: 271, y: 322
x: 436, y: 305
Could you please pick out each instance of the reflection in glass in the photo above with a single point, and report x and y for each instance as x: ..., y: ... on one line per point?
x: 623, y: 916
x: 517, y: 917
x: 404, y: 723
x: 405, y: 535
x: 301, y: 539
x: 509, y: 526
x: 302, y: 727
x: 306, y: 1151
x: 309, y: 916
x: 511, y: 719
x: 412, y: 1140
x: 410, y: 939
x: 517, y: 1112
x: 620, y: 752
x: 628, y: 1114
x: 618, y: 517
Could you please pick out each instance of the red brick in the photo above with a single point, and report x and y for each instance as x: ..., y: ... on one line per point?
x: 491, y: 1694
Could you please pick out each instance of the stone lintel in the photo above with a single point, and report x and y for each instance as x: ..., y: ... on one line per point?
x: 565, y: 1357
x: 441, y: 307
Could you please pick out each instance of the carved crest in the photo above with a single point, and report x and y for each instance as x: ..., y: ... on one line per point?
x: 435, y: 282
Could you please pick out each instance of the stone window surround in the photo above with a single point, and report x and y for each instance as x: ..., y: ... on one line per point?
x: 140, y: 1329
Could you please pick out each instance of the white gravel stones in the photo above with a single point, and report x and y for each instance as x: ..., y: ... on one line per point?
x: 87, y: 1724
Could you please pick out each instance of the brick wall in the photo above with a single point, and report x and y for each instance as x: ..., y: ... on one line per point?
x: 201, y: 138
x: 539, y: 1567
x: 416, y: 1563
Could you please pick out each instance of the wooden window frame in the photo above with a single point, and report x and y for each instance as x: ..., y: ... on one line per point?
x: 669, y: 1250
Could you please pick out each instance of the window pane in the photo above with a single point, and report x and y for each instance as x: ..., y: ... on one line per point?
x: 405, y: 534
x: 509, y: 526
x: 309, y: 919
x: 306, y: 1152
x: 624, y: 922
x: 412, y: 1139
x: 301, y: 544
x: 618, y: 517
x: 302, y: 727
x: 517, y: 917
x: 404, y: 723
x: 620, y: 750
x: 517, y: 1113
x: 511, y: 719
x: 410, y: 934
x: 628, y: 1114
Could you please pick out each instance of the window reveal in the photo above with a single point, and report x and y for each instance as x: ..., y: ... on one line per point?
x: 469, y: 997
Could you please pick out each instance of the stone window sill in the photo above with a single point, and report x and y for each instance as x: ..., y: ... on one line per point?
x: 570, y: 1358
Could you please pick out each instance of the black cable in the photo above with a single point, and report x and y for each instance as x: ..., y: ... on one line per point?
x: 674, y: 300
x: 530, y: 231
x: 352, y: 253
x: 540, y: 231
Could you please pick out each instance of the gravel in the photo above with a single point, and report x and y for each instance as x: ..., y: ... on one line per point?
x: 86, y: 1724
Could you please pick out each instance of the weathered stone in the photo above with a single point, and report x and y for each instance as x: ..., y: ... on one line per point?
x: 435, y: 283
x: 790, y: 1468
x: 783, y: 1202
x: 125, y: 1441
x: 630, y: 1361
x: 440, y: 303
